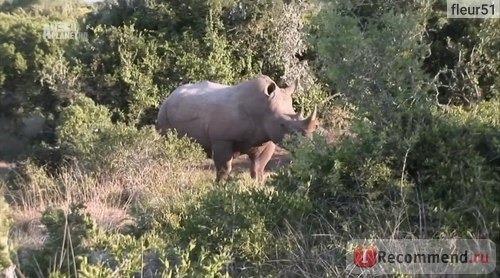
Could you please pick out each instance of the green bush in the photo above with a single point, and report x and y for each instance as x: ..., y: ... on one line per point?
x: 150, y: 256
x: 87, y: 135
x: 462, y: 59
x: 444, y: 176
x: 441, y: 182
x: 374, y: 61
x: 123, y: 68
x: 456, y: 167
x: 243, y: 220
x: 5, y: 223
x: 81, y: 126
x: 37, y: 75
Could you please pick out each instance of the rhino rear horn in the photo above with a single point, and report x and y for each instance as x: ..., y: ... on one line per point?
x: 290, y: 89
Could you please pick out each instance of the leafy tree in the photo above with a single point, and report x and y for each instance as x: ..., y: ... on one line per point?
x: 462, y: 59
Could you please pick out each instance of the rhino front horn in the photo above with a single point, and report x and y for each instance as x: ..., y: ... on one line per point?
x: 313, y: 115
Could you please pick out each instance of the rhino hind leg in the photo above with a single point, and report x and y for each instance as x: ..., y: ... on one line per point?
x: 208, y: 151
x: 223, y: 159
x: 162, y: 123
x: 259, y: 158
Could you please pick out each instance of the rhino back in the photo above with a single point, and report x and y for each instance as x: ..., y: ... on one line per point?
x: 207, y: 111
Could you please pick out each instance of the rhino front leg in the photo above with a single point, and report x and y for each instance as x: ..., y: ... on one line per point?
x: 222, y: 154
x: 259, y: 157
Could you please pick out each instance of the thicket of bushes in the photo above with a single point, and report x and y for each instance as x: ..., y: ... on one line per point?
x: 411, y: 95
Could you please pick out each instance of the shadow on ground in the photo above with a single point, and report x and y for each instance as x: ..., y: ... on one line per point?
x: 242, y: 164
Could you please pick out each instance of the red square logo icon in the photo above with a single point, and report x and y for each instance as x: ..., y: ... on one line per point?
x: 365, y: 255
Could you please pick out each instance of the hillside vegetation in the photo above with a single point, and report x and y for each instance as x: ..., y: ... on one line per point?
x: 410, y: 100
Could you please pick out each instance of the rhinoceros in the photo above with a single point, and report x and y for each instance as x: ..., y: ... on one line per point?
x: 228, y: 121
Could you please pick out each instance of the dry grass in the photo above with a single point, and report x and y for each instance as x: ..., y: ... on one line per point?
x: 109, y: 218
x: 108, y: 197
x: 27, y: 230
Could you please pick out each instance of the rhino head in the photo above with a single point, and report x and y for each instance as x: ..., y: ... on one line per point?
x: 283, y: 119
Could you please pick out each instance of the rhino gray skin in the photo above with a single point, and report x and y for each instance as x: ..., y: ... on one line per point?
x: 228, y: 121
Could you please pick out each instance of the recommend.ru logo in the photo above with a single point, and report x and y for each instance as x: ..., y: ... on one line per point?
x: 421, y: 256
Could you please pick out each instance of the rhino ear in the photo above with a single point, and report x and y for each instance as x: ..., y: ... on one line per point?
x: 271, y: 89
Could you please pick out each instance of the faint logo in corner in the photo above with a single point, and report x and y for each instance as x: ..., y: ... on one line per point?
x: 62, y: 30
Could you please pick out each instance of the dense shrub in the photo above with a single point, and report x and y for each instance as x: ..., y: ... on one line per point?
x: 87, y: 135
x: 123, y: 69
x: 462, y: 59
x: 455, y: 167
x: 150, y: 256
x: 374, y: 63
x: 452, y: 154
x: 81, y: 125
x: 22, y: 45
x: 241, y: 219
x: 236, y: 219
x: 5, y: 223
x: 38, y: 77
x: 402, y: 145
